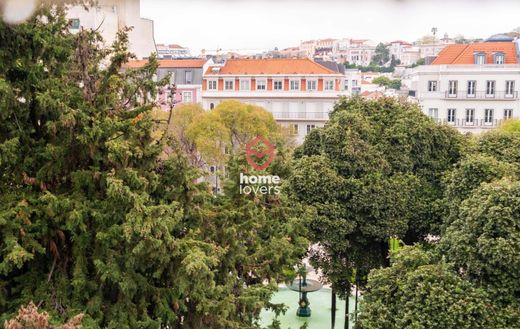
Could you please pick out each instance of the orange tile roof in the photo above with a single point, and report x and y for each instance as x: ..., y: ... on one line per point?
x: 169, y: 63
x: 464, y: 54
x: 271, y: 66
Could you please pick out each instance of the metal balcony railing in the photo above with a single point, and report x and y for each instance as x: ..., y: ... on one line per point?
x: 482, y: 95
x: 285, y: 115
x: 477, y: 123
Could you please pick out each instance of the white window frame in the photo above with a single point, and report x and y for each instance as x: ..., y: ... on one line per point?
x: 293, y: 129
x: 499, y: 58
x: 453, y: 86
x: 452, y: 115
x: 491, y: 88
x: 262, y: 82
x: 432, y: 111
x: 295, y: 81
x: 488, y: 116
x: 281, y: 81
x: 345, y: 84
x: 470, y: 114
x: 242, y: 81
x: 313, y: 81
x: 190, y: 93
x: 328, y: 81
x: 508, y: 114
x: 433, y: 85
x: 190, y: 73
x: 210, y: 82
x: 232, y: 81
x: 310, y: 127
x: 480, y: 59
x: 510, y: 87
x: 471, y: 91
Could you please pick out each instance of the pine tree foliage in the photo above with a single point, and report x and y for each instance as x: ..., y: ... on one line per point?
x: 94, y: 218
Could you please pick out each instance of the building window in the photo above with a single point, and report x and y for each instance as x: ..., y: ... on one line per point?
x: 472, y: 88
x: 488, y: 115
x: 245, y: 84
x: 452, y: 88
x: 432, y: 85
x: 310, y: 127
x: 508, y: 114
x: 490, y: 88
x: 211, y: 106
x: 480, y: 58
x: 345, y: 85
x: 451, y: 115
x: 510, y: 87
x: 433, y: 113
x: 229, y: 85
x: 293, y: 129
x: 212, y: 85
x: 329, y: 84
x: 278, y: 85
x: 295, y: 84
x: 74, y: 23
x: 498, y: 58
x: 189, y: 77
x: 470, y: 115
x: 187, y: 97
x: 261, y: 85
x: 354, y: 83
x: 311, y: 85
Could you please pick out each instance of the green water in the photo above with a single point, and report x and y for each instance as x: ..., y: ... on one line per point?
x: 320, y: 306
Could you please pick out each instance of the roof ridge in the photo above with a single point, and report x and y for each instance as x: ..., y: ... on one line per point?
x: 460, y: 54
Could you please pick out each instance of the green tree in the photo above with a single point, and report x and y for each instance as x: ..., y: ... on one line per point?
x: 94, y: 218
x: 372, y: 173
x: 420, y: 291
x: 229, y: 126
x: 381, y: 55
x: 484, y: 243
x: 387, y: 82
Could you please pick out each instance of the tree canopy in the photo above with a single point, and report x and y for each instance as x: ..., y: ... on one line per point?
x: 373, y: 172
x: 95, y: 219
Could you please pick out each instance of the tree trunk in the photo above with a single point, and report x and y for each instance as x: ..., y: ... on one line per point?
x: 333, y: 310
x: 356, y: 304
x: 347, y: 325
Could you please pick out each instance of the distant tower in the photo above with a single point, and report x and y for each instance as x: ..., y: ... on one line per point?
x: 434, y: 31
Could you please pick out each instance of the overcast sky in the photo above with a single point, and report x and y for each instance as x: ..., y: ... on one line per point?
x: 248, y: 25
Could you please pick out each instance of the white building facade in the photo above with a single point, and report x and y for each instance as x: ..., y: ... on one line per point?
x: 110, y: 16
x: 471, y: 87
x: 298, y: 92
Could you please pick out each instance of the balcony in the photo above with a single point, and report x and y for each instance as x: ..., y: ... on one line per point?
x: 482, y: 95
x: 476, y: 123
x: 303, y: 116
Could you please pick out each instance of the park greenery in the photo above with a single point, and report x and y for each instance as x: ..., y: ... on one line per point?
x: 106, y: 220
x: 387, y: 82
x: 101, y: 212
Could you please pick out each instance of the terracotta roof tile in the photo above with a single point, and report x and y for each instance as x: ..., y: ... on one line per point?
x: 271, y: 66
x: 169, y: 63
x: 464, y: 54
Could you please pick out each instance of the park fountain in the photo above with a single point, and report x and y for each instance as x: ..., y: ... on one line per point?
x: 304, y: 286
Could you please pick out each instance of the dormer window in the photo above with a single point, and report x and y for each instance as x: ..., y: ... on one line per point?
x: 480, y: 58
x: 498, y: 58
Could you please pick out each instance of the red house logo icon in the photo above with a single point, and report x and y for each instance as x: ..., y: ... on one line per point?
x: 259, y: 153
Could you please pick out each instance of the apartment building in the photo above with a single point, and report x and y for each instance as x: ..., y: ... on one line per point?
x: 300, y: 93
x: 404, y: 52
x: 172, y: 51
x: 186, y: 74
x: 473, y: 87
x: 110, y: 16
